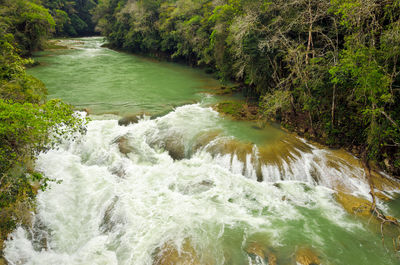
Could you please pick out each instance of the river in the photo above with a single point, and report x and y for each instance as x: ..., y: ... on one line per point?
x: 185, y: 185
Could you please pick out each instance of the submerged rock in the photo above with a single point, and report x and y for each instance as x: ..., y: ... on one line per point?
x: 170, y: 255
x: 256, y: 249
x: 205, y: 138
x: 238, y: 110
x: 384, y: 183
x: 381, y: 196
x: 87, y: 110
x: 306, y: 256
x: 125, y: 121
x: 175, y: 147
x: 108, y: 223
x: 233, y: 147
x: 240, y: 151
x: 254, y: 158
x: 262, y: 253
x: 363, y: 208
x: 272, y: 259
x: 123, y: 145
x: 354, y: 205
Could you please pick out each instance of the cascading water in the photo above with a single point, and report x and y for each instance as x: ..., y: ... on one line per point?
x: 181, y: 185
x: 121, y: 208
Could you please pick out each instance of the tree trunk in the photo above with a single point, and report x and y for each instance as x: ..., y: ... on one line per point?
x: 309, y: 31
x: 333, y: 107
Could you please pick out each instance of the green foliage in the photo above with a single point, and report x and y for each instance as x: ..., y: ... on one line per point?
x: 371, y: 85
x: 25, y: 129
x: 15, y: 84
x: 346, y: 10
x: 232, y: 108
x: 331, y: 65
x: 29, y: 23
x: 12, y: 65
x: 61, y: 19
x: 368, y: 69
x: 72, y: 17
x: 277, y: 101
x: 28, y: 124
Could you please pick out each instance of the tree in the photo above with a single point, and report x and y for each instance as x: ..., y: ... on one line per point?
x: 28, y: 22
x: 329, y: 67
x: 28, y: 124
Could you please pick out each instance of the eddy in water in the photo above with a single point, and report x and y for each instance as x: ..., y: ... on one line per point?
x: 188, y: 188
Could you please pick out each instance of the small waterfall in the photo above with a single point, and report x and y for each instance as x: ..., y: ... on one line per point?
x: 129, y: 191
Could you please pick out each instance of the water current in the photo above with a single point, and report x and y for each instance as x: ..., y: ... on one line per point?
x: 185, y: 185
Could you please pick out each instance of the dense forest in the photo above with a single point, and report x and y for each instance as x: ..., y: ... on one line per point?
x: 32, y: 22
x: 26, y: 117
x: 328, y: 68
x: 72, y: 18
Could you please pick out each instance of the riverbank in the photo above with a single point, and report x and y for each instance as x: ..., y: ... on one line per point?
x: 133, y: 183
x: 293, y: 122
x: 294, y: 119
x: 333, y: 83
x: 249, y: 109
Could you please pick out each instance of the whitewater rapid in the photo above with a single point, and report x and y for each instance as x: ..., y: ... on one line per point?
x: 115, y: 207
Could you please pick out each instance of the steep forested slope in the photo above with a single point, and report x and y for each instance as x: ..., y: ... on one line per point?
x: 26, y: 118
x: 329, y: 67
x: 73, y: 18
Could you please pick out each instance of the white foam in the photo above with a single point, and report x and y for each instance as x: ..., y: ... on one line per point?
x: 113, y: 208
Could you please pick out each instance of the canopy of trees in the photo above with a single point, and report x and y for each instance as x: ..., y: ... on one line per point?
x: 73, y: 18
x: 329, y: 66
x: 26, y: 119
x: 31, y: 22
x: 28, y: 23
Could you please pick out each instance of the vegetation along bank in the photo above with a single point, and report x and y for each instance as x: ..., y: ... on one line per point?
x: 26, y: 117
x: 327, y: 68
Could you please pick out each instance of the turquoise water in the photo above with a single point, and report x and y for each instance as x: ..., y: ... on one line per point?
x: 106, y: 81
x: 125, y: 199
x: 102, y: 81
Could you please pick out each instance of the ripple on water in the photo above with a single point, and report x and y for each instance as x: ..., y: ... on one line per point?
x: 144, y: 207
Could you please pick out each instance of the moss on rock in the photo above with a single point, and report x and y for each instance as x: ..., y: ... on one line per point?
x: 170, y: 255
x: 238, y: 110
x: 262, y: 252
x: 306, y: 256
x: 354, y: 205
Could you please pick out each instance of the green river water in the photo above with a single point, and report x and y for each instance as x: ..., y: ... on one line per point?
x: 185, y: 185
